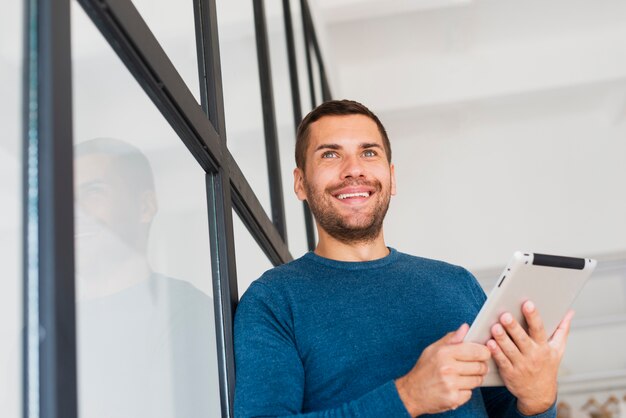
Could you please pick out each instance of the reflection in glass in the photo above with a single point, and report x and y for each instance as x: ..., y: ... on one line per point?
x: 10, y: 209
x: 145, y: 322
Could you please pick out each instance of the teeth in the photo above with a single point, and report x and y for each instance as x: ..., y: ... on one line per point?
x: 347, y: 195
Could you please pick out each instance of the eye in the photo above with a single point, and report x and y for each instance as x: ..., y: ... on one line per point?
x: 329, y: 154
x: 370, y: 153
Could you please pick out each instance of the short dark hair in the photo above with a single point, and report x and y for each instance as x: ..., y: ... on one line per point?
x: 130, y: 161
x: 334, y: 108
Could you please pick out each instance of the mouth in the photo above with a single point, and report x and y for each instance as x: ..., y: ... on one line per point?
x: 353, y: 194
x: 344, y: 196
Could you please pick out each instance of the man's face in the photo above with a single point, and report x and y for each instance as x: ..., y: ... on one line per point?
x: 347, y: 181
x: 112, y: 216
x: 105, y: 196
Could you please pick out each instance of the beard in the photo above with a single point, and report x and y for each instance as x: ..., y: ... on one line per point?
x: 356, y: 227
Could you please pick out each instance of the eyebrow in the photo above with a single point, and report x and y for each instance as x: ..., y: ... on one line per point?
x: 364, y: 145
x: 91, y: 183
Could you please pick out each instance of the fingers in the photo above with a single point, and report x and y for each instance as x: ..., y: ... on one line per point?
x: 505, y: 343
x: 470, y: 352
x: 454, y: 337
x: 536, y: 330
x: 472, y: 368
x: 458, y: 335
x: 498, y: 356
x: 559, y: 338
x: 468, y: 382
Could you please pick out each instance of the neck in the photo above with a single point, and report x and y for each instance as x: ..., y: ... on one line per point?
x: 329, y: 247
x: 133, y: 270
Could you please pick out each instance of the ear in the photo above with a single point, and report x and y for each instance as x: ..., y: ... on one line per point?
x: 392, y: 169
x: 149, y: 207
x: 298, y: 184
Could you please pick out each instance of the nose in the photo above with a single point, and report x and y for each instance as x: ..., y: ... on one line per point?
x: 352, y: 167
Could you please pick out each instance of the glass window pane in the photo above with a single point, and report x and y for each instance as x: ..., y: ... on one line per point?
x: 251, y: 260
x: 145, y: 316
x: 242, y: 94
x: 10, y: 210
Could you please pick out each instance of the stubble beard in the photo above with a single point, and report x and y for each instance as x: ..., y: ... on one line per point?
x: 349, y: 229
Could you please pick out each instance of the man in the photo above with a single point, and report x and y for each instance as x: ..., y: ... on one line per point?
x: 358, y: 329
x: 144, y: 339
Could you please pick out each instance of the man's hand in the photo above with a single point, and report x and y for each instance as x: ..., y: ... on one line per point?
x: 444, y: 376
x: 529, y: 362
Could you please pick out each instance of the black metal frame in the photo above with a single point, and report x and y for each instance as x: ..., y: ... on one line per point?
x: 297, y: 108
x: 269, y: 119
x: 311, y: 42
x: 49, y: 311
x: 218, y: 201
x: 50, y: 387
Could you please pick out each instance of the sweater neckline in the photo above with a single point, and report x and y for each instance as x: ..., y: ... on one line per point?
x: 353, y: 265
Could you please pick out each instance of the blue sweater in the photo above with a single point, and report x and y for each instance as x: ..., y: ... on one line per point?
x: 324, y: 338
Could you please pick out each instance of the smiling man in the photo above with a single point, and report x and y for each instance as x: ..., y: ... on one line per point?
x: 359, y: 329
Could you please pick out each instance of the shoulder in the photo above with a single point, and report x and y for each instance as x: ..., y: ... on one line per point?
x: 179, y: 291
x: 274, y: 288
x: 431, y: 265
x: 282, y: 279
x: 443, y: 273
x: 184, y: 301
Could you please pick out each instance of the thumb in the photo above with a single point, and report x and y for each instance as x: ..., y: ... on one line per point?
x: 456, y: 337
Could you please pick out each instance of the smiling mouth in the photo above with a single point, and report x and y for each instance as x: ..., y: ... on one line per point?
x: 344, y: 196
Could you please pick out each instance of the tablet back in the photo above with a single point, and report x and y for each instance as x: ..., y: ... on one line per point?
x: 550, y: 282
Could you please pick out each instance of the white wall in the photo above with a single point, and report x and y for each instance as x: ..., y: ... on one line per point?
x: 507, y: 123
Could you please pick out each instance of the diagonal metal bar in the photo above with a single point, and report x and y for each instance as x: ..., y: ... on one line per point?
x: 131, y: 38
x: 129, y: 35
x: 246, y: 204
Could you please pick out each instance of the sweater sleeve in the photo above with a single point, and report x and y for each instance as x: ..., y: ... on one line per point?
x: 499, y: 402
x: 270, y: 375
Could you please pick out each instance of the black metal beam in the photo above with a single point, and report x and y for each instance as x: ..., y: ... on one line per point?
x: 307, y: 53
x: 293, y: 64
x: 297, y: 108
x: 209, y: 65
x: 248, y: 207
x: 219, y: 203
x: 225, y: 292
x: 50, y: 318
x: 309, y: 28
x: 272, y: 153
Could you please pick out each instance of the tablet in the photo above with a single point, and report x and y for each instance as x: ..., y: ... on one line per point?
x: 551, y: 282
